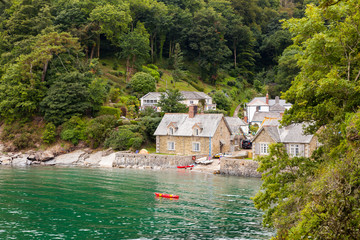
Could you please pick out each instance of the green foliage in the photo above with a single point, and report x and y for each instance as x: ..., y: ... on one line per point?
x: 105, y: 110
x: 49, y: 133
x: 70, y: 96
x: 153, y: 72
x: 150, y: 124
x: 222, y: 101
x: 123, y: 139
x: 142, y: 83
x: 170, y: 102
x: 74, y: 130
x: 99, y: 129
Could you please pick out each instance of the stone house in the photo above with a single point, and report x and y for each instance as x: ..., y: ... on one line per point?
x: 238, y: 130
x: 292, y: 136
x: 193, y: 134
x: 190, y: 98
x: 261, y: 107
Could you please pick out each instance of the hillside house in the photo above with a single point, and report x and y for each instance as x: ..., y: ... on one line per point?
x: 190, y: 98
x: 262, y: 107
x: 193, y: 134
x: 292, y: 136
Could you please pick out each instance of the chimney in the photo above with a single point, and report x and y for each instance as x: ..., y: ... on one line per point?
x: 277, y: 99
x: 192, y: 111
x: 267, y: 98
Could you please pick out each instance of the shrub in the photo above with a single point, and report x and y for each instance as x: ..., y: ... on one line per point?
x: 114, y: 94
x: 105, y: 110
x: 231, y: 83
x: 74, y: 130
x: 142, y: 83
x: 153, y: 66
x: 99, y: 129
x: 23, y: 141
x: 115, y: 66
x: 123, y: 139
x: 49, y: 134
x: 154, y: 73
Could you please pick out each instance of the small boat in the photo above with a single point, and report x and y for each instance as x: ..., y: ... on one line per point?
x: 189, y: 166
x: 164, y: 195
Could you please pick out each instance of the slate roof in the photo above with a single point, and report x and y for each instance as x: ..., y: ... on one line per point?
x: 194, y: 95
x: 186, y: 94
x: 277, y: 108
x: 260, y: 116
x: 262, y: 101
x: 235, y: 123
x: 209, y: 123
x: 293, y: 133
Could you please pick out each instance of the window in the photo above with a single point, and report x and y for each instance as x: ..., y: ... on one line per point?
x: 196, y: 147
x: 264, y: 148
x: 171, y: 131
x: 294, y: 150
x: 171, y: 146
x: 196, y: 132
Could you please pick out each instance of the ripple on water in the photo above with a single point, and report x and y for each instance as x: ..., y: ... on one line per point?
x: 58, y: 203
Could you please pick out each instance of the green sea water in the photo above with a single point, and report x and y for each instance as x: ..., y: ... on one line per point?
x: 80, y: 203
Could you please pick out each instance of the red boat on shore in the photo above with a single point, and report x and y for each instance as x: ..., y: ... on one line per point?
x: 189, y: 166
x: 164, y: 195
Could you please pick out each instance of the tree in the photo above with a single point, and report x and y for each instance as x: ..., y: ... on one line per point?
x: 170, y: 102
x: 142, y: 83
x: 222, y: 101
x: 178, y: 63
x: 67, y: 97
x: 134, y: 48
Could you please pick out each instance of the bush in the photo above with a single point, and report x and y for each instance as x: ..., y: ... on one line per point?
x: 143, y: 83
x: 105, y: 110
x: 153, y: 66
x: 23, y: 141
x: 123, y: 139
x: 154, y: 73
x: 99, y: 129
x: 115, y: 66
x: 49, y: 133
x: 74, y: 130
x: 231, y: 83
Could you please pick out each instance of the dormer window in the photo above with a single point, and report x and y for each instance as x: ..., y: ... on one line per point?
x: 171, y: 131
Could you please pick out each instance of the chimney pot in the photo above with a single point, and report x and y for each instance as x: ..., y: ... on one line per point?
x: 277, y: 99
x: 267, y: 98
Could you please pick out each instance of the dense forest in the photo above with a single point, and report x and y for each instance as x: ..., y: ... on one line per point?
x: 85, y: 59
x: 69, y: 69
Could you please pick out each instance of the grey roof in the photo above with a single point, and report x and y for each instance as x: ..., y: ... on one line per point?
x: 293, y: 133
x: 234, y: 124
x: 260, y: 116
x: 152, y: 95
x: 277, y: 108
x: 186, y: 94
x: 209, y: 123
x: 262, y: 100
x: 194, y: 95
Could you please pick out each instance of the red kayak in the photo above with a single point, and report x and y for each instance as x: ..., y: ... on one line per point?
x: 190, y: 166
x: 166, y: 195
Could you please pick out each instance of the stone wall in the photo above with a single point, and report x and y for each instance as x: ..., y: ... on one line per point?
x: 239, y: 167
x: 151, y: 160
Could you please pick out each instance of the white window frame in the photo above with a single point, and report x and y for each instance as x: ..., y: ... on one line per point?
x: 194, y: 149
x: 264, y: 148
x: 294, y: 150
x: 171, y: 146
x: 171, y: 131
x: 191, y: 102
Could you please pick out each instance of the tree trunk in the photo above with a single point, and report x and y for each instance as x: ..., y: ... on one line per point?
x: 235, y: 54
x: 92, y: 52
x: 128, y: 72
x: 162, y: 41
x: 45, y: 70
x: 98, y: 46
x: 170, y: 49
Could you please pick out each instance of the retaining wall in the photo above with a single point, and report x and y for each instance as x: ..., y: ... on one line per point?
x: 239, y: 167
x: 151, y: 160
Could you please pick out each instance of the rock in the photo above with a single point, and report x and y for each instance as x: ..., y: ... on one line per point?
x: 107, y: 161
x: 93, y: 159
x: 32, y: 157
x: 6, y: 162
x: 122, y: 166
x: 46, y: 156
x: 20, y: 162
x: 147, y: 167
x: 107, y: 152
x: 67, y: 159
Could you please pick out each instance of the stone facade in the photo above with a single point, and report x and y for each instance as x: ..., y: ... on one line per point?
x: 263, y: 137
x: 184, y: 144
